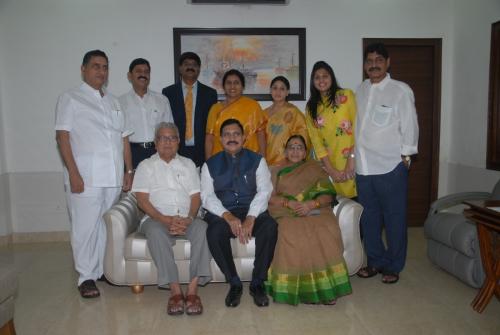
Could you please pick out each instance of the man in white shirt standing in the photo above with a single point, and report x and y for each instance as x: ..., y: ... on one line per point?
x: 93, y: 142
x: 386, y: 137
x: 144, y: 110
x: 167, y: 187
x: 235, y: 189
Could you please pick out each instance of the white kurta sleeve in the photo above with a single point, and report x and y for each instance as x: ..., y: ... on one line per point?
x: 409, y: 123
x: 64, y: 113
x: 209, y: 199
x: 264, y: 190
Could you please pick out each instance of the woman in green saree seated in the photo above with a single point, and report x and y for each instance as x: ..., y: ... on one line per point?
x: 308, y: 266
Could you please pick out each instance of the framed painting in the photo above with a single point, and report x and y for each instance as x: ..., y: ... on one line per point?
x: 259, y: 53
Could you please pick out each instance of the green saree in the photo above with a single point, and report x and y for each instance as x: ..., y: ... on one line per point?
x: 308, y: 266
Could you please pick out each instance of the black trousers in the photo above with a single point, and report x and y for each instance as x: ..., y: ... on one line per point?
x: 140, y: 153
x: 265, y: 231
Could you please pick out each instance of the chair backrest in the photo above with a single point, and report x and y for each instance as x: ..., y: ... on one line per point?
x: 495, y: 194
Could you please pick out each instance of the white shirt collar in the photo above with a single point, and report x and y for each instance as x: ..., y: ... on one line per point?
x: 134, y: 93
x: 156, y: 157
x: 89, y: 89
x: 185, y: 86
x: 381, y: 84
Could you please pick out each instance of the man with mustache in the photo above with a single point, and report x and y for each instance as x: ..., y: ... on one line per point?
x: 93, y: 142
x: 144, y: 110
x: 386, y: 137
x: 235, y: 189
x: 191, y: 102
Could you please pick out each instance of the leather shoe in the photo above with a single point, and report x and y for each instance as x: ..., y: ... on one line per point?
x: 234, y: 295
x: 259, y: 295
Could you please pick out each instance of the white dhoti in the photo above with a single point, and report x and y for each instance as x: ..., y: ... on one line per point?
x: 88, y: 231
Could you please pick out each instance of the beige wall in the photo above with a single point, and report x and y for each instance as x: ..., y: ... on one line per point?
x: 42, y: 43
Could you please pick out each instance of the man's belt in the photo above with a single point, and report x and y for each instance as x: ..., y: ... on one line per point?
x: 145, y: 145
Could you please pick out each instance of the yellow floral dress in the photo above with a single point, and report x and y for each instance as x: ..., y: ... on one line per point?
x: 332, y: 135
x: 288, y: 121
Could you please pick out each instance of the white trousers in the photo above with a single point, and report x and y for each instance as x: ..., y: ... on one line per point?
x: 88, y: 231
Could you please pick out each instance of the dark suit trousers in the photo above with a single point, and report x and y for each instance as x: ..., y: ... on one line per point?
x: 265, y: 231
x: 139, y: 154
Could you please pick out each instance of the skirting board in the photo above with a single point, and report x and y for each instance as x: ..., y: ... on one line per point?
x: 42, y: 237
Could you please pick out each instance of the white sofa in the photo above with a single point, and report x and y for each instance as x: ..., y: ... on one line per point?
x: 128, y: 261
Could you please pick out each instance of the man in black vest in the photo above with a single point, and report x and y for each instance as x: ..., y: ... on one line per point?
x: 190, y: 101
x: 235, y: 189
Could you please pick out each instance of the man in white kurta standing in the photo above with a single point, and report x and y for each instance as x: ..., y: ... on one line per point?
x: 93, y: 142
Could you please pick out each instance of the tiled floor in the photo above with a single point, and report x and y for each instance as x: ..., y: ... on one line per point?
x: 425, y: 301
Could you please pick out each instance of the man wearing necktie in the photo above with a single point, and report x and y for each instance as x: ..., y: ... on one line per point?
x: 190, y: 101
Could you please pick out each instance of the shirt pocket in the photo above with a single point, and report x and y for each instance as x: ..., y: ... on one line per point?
x: 154, y: 117
x: 381, y: 115
x: 117, y: 120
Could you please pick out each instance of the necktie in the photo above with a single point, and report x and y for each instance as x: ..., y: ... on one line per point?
x: 188, y: 106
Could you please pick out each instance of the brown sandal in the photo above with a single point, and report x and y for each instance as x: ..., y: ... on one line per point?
x: 390, y: 278
x: 193, y: 305
x: 175, y: 305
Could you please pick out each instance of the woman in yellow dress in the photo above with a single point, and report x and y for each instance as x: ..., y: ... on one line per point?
x: 243, y: 109
x: 284, y: 120
x: 330, y: 118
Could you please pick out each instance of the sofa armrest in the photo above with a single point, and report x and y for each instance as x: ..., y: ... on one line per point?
x: 121, y: 220
x: 456, y: 199
x: 348, y: 213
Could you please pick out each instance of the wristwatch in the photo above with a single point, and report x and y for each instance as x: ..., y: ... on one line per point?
x: 407, y: 159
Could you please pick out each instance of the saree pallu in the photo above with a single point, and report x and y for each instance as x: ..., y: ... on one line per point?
x: 245, y: 110
x: 308, y: 266
x: 288, y: 121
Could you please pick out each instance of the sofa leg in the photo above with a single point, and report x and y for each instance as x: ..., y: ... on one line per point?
x: 136, y: 289
x: 8, y: 328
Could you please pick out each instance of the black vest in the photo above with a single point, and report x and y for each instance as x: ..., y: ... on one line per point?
x: 235, y: 182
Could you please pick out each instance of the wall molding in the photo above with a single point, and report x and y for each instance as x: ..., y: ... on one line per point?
x: 39, y: 237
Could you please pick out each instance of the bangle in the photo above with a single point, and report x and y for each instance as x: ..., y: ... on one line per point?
x: 317, y: 204
x: 130, y: 171
x: 352, y: 155
x: 285, y: 203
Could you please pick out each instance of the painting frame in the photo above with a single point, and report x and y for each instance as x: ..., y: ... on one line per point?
x: 263, y: 60
x: 493, y: 134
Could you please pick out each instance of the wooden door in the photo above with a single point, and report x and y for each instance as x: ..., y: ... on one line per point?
x: 417, y: 62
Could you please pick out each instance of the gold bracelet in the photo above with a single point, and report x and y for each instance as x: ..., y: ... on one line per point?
x: 317, y: 204
x: 285, y: 203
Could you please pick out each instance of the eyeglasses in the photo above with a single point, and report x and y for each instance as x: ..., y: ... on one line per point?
x: 167, y: 138
x: 296, y: 147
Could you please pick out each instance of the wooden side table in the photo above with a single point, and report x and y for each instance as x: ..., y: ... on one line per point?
x: 487, y: 220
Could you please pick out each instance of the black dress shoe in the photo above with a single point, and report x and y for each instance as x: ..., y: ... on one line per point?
x: 259, y: 295
x: 234, y: 295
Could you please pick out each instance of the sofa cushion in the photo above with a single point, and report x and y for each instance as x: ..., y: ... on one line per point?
x: 469, y: 270
x: 454, y: 231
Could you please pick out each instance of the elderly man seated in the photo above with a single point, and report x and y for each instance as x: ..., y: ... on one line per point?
x: 167, y: 187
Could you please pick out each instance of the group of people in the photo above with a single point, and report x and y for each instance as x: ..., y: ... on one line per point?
x: 257, y: 178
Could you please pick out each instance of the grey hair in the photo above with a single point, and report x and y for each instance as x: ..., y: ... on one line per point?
x: 166, y: 125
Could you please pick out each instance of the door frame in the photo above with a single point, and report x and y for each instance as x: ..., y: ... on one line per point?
x: 435, y: 43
